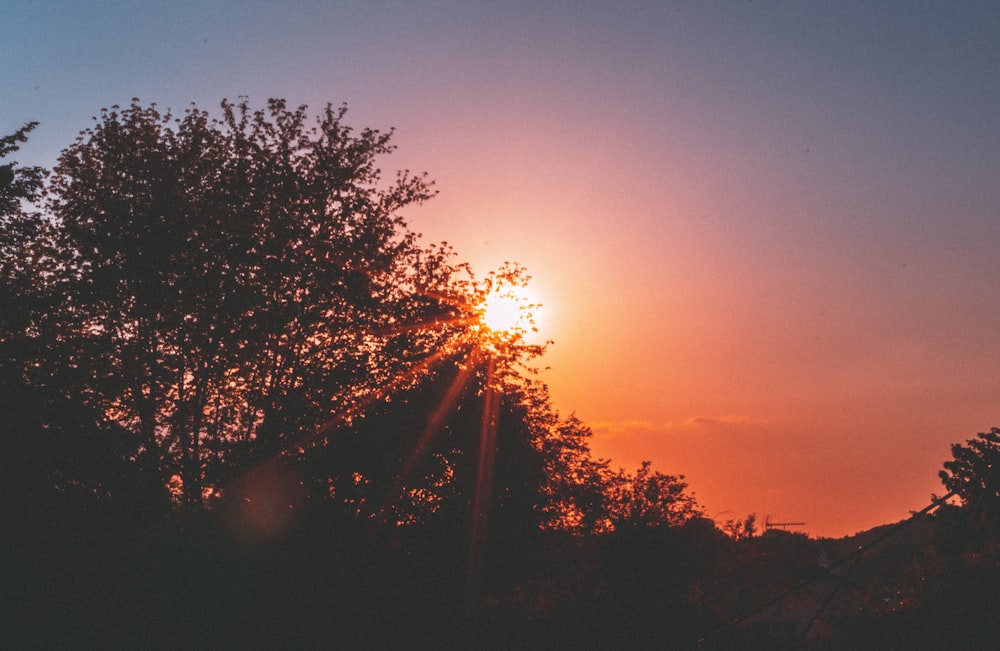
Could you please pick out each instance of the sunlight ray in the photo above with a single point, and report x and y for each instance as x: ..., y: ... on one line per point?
x: 484, y: 483
x: 359, y: 406
x: 430, y: 431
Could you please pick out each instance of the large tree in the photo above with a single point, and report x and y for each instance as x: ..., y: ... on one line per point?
x: 224, y: 287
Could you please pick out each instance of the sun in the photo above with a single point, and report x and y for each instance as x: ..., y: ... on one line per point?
x: 503, y: 312
x: 510, y: 311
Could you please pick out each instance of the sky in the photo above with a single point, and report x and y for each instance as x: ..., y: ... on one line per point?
x: 766, y: 234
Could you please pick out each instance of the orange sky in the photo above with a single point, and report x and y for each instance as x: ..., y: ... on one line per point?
x: 766, y: 233
x: 779, y: 382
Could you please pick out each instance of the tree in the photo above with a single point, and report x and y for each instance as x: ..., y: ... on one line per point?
x: 650, y: 499
x: 28, y: 456
x: 20, y: 188
x: 741, y: 529
x: 974, y: 475
x: 576, y: 488
x: 222, y: 288
x: 230, y: 289
x: 17, y: 184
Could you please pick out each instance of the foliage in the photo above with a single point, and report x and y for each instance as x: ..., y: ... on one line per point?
x: 974, y: 475
x: 738, y: 529
x: 650, y: 499
x: 17, y: 184
x: 576, y: 484
x: 220, y: 287
x: 20, y: 188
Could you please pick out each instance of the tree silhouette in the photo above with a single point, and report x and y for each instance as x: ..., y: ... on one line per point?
x: 218, y: 288
x: 20, y: 226
x: 576, y: 483
x: 974, y: 475
x: 17, y: 184
x: 650, y: 499
x: 974, y: 472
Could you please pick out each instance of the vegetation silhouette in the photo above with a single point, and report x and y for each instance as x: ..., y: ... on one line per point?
x: 243, y: 406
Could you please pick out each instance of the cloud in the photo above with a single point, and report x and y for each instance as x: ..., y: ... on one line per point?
x: 720, y: 420
x: 617, y: 428
x: 622, y: 427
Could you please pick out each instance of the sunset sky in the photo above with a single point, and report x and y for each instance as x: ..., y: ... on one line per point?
x: 766, y: 234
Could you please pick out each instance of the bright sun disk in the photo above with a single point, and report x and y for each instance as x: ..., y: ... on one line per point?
x: 502, y: 311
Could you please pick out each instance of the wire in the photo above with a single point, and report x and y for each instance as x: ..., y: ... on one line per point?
x: 853, y: 559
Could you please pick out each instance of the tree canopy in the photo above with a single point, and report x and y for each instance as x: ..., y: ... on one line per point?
x: 221, y: 287
x: 973, y: 474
